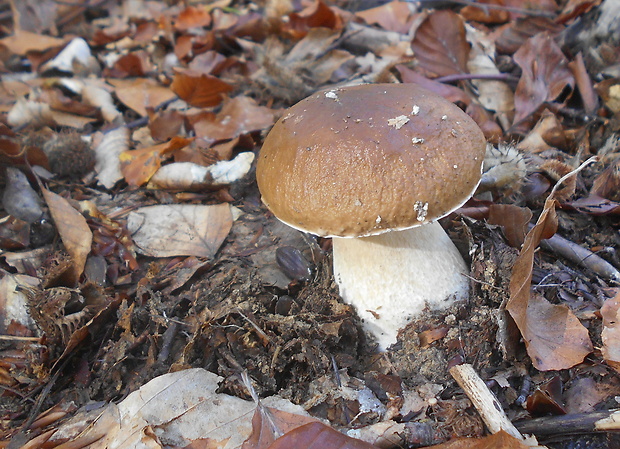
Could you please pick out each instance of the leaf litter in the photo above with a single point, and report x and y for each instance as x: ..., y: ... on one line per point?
x: 162, y: 259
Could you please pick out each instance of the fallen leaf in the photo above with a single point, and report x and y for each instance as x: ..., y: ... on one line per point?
x: 513, y: 220
x: 107, y: 153
x: 554, y: 337
x: 269, y: 423
x: 318, y: 436
x: 545, y: 75
x: 190, y: 176
x: 22, y: 42
x: 499, y: 440
x: 138, y: 166
x: 141, y: 94
x: 239, y: 115
x: 193, y: 17
x: 180, y: 230
x: 315, y: 15
x: 440, y: 46
x: 610, y: 312
x: 391, y: 16
x: 198, y: 89
x: 452, y: 93
x: 513, y: 35
x: 184, y: 408
x: 74, y: 232
x: 34, y: 15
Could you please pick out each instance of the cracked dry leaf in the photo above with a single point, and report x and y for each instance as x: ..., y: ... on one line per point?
x: 180, y: 229
x: 74, y: 232
x: 554, y: 337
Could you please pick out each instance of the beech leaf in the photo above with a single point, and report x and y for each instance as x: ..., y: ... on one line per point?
x: 73, y: 229
x: 554, y: 337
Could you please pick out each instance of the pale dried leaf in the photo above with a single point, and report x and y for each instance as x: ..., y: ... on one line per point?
x: 13, y: 301
x: 142, y: 93
x: 76, y: 52
x: 28, y: 112
x: 73, y: 230
x: 180, y: 230
x: 107, y: 152
x: 190, y: 176
x: 101, y: 98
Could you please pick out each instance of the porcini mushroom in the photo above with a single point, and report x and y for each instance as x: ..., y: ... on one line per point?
x: 375, y: 166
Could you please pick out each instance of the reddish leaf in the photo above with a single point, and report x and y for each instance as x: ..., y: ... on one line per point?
x: 554, y: 337
x: 133, y: 64
x: 545, y: 75
x: 264, y: 421
x: 584, y: 84
x: 318, y: 14
x: 192, y: 17
x: 440, y: 46
x: 198, y: 89
x: 318, y: 436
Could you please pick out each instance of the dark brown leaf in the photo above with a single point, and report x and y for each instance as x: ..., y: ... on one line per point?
x: 545, y: 75
x: 440, y: 46
x: 317, y: 435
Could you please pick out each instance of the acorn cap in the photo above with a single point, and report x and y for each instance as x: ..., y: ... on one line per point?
x: 364, y: 160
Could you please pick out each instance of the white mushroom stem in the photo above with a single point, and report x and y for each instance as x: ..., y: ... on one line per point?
x: 390, y: 278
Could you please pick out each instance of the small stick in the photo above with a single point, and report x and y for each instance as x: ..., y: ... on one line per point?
x: 483, y: 400
x: 572, y: 424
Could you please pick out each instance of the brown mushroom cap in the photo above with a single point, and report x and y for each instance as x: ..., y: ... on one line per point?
x: 363, y: 160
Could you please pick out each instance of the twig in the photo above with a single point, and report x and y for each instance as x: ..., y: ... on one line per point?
x: 581, y: 256
x: 476, y: 76
x: 483, y: 6
x: 571, y: 424
x: 483, y: 400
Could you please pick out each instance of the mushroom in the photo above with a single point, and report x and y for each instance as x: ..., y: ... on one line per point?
x: 374, y: 167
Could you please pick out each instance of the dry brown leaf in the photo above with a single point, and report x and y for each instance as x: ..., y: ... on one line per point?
x: 317, y: 436
x: 134, y: 64
x: 584, y: 84
x: 500, y: 440
x: 316, y: 15
x: 554, y: 337
x: 607, y: 183
x: 440, y: 46
x: 392, y: 16
x: 138, y: 166
x: 180, y: 230
x: 22, y: 42
x: 141, y: 94
x: 192, y: 17
x: 514, y: 34
x: 513, y: 220
x: 610, y: 335
x: 545, y: 75
x: 269, y: 423
x: 198, y: 89
x: 73, y: 230
x: 239, y: 115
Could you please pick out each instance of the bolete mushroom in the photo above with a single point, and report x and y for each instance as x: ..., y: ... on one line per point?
x: 375, y: 166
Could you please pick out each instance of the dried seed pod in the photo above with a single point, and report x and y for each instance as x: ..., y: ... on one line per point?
x: 293, y: 263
